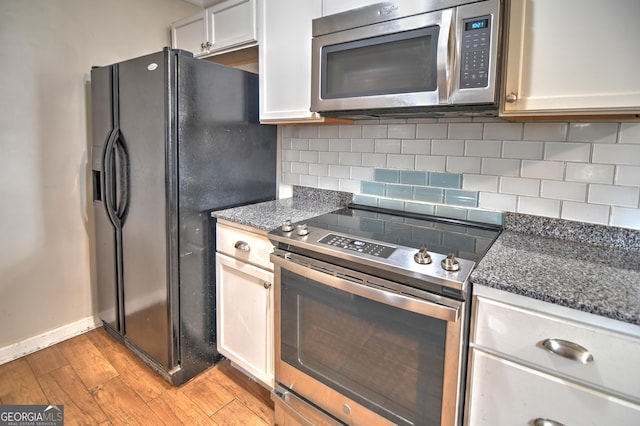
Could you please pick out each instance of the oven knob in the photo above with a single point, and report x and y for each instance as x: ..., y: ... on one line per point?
x: 302, y: 229
x: 287, y: 226
x: 422, y: 256
x: 450, y: 263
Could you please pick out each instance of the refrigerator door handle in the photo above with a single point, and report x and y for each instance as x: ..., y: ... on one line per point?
x: 123, y: 173
x: 108, y: 183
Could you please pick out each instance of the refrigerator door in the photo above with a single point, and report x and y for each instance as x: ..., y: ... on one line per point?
x: 147, y: 234
x: 225, y: 158
x: 103, y: 128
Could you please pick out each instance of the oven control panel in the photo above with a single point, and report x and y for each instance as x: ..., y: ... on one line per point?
x: 373, y: 249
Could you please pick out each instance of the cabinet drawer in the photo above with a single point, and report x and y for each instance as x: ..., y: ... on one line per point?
x: 517, y: 395
x: 520, y: 334
x: 246, y: 246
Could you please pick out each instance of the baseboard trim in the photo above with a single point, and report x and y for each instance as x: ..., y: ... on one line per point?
x: 49, y: 338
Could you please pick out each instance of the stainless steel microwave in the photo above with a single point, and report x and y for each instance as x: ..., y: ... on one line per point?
x: 408, y: 58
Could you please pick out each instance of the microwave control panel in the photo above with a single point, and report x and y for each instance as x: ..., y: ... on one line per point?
x: 474, y: 54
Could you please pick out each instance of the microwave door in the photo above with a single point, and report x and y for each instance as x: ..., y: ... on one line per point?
x: 401, y: 63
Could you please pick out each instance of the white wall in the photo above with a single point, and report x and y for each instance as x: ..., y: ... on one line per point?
x: 588, y: 172
x: 47, y: 48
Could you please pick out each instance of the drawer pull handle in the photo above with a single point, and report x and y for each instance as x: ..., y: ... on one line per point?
x: 242, y: 245
x: 568, y: 350
x: 546, y: 422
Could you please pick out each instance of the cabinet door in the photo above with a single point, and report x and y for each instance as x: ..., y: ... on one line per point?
x: 245, y: 316
x: 329, y: 7
x: 231, y: 24
x: 285, y: 60
x: 506, y: 393
x: 571, y: 57
x: 190, y: 34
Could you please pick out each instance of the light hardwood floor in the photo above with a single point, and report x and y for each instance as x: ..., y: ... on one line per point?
x: 101, y: 383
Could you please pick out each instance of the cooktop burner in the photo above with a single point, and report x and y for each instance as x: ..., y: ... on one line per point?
x: 416, y: 246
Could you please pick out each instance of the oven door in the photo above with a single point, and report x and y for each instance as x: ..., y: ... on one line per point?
x: 361, y: 350
x: 399, y: 63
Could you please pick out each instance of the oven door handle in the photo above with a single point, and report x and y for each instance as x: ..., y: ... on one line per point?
x: 428, y: 304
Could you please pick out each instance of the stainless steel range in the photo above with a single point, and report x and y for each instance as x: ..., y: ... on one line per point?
x: 372, y: 318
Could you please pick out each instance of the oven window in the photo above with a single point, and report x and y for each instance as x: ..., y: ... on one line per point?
x: 385, y: 358
x: 398, y: 63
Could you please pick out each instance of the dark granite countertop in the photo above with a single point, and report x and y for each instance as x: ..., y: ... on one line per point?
x: 591, y: 268
x: 304, y: 204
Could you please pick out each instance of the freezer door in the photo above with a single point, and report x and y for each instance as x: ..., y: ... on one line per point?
x: 147, y: 231
x: 102, y: 107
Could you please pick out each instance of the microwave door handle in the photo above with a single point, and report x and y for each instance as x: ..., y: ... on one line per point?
x: 446, y: 55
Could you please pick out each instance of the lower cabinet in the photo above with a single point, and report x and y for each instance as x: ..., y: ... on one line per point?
x: 244, y: 299
x: 535, y: 363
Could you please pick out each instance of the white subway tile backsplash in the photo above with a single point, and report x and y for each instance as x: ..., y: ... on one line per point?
x: 362, y: 145
x: 300, y: 168
x: 431, y: 131
x: 539, y: 206
x: 578, y: 171
x: 351, y: 158
x: 478, y: 148
x: 542, y: 169
x: 300, y: 144
x: 399, y: 161
x: 319, y: 169
x: 309, y: 156
x: 362, y: 173
x: 416, y: 146
x: 593, y: 132
x: 306, y: 180
x: 625, y: 217
x: 328, y: 157
x: 343, y: 172
x: 624, y: 196
x: 628, y: 175
x: 625, y: 154
x: 401, y: 131
x: 465, y: 131
x: 503, y: 131
x: 524, y: 150
x: 388, y: 146
x: 340, y: 145
x: 374, y: 160
x: 630, y: 133
x: 567, y: 151
x: 447, y: 147
x: 471, y: 182
x: 545, y: 131
x: 583, y: 212
x: 351, y: 132
x: 319, y: 144
x: 375, y: 131
x: 329, y: 132
x: 590, y: 173
x: 463, y: 165
x: 573, y: 191
x: 500, y: 167
x: 431, y: 163
x: 495, y: 201
x: 520, y: 186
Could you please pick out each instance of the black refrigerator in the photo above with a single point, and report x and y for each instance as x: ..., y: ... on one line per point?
x: 174, y: 138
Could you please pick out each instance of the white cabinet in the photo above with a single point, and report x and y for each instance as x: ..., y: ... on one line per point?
x: 532, y: 360
x: 244, y: 300
x: 285, y: 61
x: 571, y: 57
x: 220, y: 28
x: 329, y: 7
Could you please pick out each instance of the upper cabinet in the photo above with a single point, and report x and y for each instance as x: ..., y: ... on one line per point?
x: 572, y: 58
x: 223, y: 27
x: 329, y: 7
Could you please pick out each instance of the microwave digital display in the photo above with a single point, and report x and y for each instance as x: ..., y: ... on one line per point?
x: 477, y: 24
